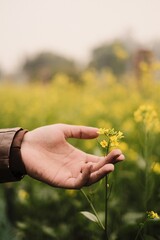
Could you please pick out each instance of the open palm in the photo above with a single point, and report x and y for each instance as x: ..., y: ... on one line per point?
x: 48, y: 157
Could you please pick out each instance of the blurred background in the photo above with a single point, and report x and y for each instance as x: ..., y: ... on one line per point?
x: 102, y: 56
x: 74, y: 33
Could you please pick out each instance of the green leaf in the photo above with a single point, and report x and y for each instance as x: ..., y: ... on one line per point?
x: 90, y: 216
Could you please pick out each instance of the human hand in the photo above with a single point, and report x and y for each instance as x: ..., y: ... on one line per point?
x: 49, y: 158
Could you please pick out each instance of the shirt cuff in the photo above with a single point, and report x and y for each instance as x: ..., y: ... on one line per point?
x: 11, y: 164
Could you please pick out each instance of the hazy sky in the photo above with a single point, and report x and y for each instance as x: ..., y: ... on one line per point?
x: 71, y: 27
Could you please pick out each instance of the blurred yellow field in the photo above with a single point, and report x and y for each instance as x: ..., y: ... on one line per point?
x: 103, y: 101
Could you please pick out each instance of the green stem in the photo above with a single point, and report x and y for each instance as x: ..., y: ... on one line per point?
x: 106, y: 209
x: 147, y: 174
x: 139, y: 231
x: 93, y: 208
x: 106, y: 202
x: 146, y: 171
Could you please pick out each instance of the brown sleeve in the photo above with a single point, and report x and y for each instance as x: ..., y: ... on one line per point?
x: 11, y: 165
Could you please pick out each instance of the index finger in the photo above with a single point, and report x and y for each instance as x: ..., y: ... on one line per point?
x: 81, y: 132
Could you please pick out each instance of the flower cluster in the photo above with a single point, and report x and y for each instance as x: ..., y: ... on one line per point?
x: 109, y: 138
x: 156, y: 167
x: 147, y: 115
x: 152, y: 215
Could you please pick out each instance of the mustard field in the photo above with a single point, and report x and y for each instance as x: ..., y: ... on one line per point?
x: 127, y: 104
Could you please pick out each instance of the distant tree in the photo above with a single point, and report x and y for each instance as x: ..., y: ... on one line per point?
x: 45, y: 65
x: 156, y: 48
x: 1, y: 73
x: 113, y: 56
x: 142, y: 58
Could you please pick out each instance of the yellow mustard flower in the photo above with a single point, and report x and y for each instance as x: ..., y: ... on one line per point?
x: 147, y: 115
x: 104, y: 143
x: 120, y: 135
x: 156, y: 168
x: 152, y: 215
x: 102, y: 131
x: 108, y: 137
x: 114, y: 141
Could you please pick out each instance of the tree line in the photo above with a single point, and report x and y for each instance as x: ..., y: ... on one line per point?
x: 118, y: 56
